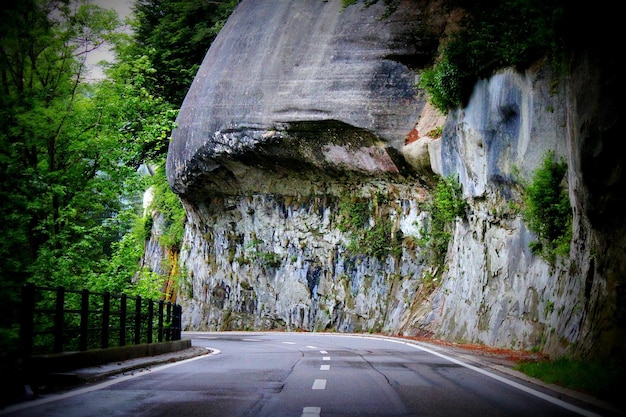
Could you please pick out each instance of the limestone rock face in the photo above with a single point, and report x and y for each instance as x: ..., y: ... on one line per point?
x: 277, y: 63
x: 495, y: 290
x: 305, y: 209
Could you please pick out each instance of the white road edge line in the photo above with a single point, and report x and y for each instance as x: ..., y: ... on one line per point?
x: 513, y: 384
x: 33, y: 403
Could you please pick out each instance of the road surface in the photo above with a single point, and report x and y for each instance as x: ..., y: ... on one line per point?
x: 277, y: 374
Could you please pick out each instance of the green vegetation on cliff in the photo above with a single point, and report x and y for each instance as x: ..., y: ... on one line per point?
x: 547, y: 209
x: 494, y: 35
x: 445, y: 207
x: 369, y: 226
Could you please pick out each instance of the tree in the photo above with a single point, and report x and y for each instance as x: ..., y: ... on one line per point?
x: 51, y: 153
x: 153, y: 70
x: 175, y: 35
x: 55, y: 160
x: 70, y: 150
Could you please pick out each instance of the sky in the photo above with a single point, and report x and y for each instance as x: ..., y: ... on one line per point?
x: 123, y: 9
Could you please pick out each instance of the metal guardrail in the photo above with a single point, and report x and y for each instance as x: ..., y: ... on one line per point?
x: 57, y: 320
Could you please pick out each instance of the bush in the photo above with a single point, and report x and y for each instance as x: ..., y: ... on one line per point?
x: 377, y: 240
x: 498, y: 34
x: 445, y: 207
x: 169, y: 205
x: 442, y: 85
x: 547, y: 209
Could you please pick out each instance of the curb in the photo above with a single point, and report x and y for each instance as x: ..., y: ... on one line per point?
x: 101, y: 372
x: 69, y: 361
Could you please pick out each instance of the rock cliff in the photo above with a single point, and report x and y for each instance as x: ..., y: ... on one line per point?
x: 305, y: 157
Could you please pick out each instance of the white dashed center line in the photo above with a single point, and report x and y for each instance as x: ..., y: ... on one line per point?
x: 289, y: 343
x: 319, y: 384
x: 312, y: 347
x: 324, y: 367
x: 323, y: 352
x: 326, y: 358
x: 311, y: 411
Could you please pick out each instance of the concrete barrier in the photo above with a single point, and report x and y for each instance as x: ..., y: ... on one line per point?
x: 69, y: 361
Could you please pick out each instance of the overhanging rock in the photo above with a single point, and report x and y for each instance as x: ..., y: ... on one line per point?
x: 277, y: 64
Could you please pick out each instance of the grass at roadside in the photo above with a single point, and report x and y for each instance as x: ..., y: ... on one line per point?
x: 599, y: 380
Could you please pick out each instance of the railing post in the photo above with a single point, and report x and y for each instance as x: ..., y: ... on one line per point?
x: 168, y: 320
x: 160, y: 328
x: 138, y: 320
x: 150, y: 319
x: 59, y: 318
x: 26, y: 320
x: 177, y: 322
x: 123, y: 320
x: 84, y: 319
x: 106, y: 319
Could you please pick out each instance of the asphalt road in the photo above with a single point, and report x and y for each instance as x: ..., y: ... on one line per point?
x: 310, y: 375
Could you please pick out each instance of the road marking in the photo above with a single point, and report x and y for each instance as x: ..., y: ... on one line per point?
x: 251, y: 340
x: 98, y: 386
x: 319, y: 384
x: 289, y: 343
x: 323, y: 352
x: 311, y: 411
x: 325, y: 368
x: 326, y: 358
x: 506, y: 381
x: 312, y: 347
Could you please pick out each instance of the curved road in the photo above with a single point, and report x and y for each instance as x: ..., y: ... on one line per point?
x: 308, y: 375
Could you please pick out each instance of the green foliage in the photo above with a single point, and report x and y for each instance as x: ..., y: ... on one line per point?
x: 266, y: 259
x: 442, y: 84
x: 269, y: 259
x: 436, y: 132
x: 175, y: 35
x: 170, y: 207
x: 148, y: 285
x: 445, y: 206
x: 62, y: 179
x: 379, y: 242
x: 355, y: 214
x: 142, y: 120
x: 497, y: 34
x: 371, y: 240
x: 601, y: 380
x: 148, y: 224
x: 69, y: 149
x: 547, y: 209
